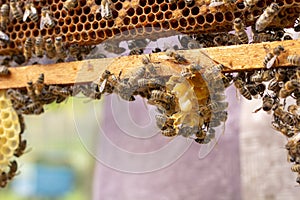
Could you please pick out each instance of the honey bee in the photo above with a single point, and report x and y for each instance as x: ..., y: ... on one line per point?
x: 297, y: 96
x: 265, y: 37
x: 240, y: 85
x: 287, y: 37
x: 33, y: 108
x: 140, y: 73
x: 50, y: 48
x: 267, y: 16
x: 46, y: 19
x: 256, y: 88
x: 240, y: 31
x: 218, y: 106
x: 21, y: 149
x: 125, y: 91
x: 39, y: 84
x: 60, y: 91
x: 149, y: 83
x: 194, y: 44
x: 267, y: 60
x: 13, y: 168
x: 184, y: 40
x: 4, y: 16
x: 18, y: 58
x: 283, y: 93
x: 156, y: 50
x: 3, y: 179
x: 149, y: 66
x: 31, y: 12
x: 70, y: 4
x: 278, y: 50
x: 188, y: 2
x: 284, y: 116
x: 293, y: 109
x: 298, y: 179
x: 294, y: 60
x: 283, y: 129
x: 30, y: 91
x: 268, y: 102
x: 160, y: 121
x: 215, y: 3
x: 75, y: 51
x: 162, y: 96
x: 106, y: 11
x: 22, y: 123
x: 163, y: 107
x: 28, y: 48
x: 136, y: 51
x: 296, y: 168
x: 90, y: 91
x: 60, y: 48
x: 103, y: 80
x: 177, y: 57
x: 250, y: 3
x: 271, y: 58
x: 291, y: 85
x: 222, y: 115
x: 17, y: 96
x: 274, y: 86
x: 4, y: 39
x: 4, y: 71
x: 16, y: 10
x: 163, y: 122
x: 280, y: 75
x: 38, y: 47
x: 169, y: 132
x: 113, y: 47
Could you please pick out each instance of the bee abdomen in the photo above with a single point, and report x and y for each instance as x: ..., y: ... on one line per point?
x: 243, y: 37
x: 294, y: 60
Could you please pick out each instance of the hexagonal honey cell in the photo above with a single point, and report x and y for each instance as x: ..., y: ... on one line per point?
x: 9, y: 130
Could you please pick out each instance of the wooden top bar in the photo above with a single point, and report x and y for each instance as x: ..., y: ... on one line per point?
x: 237, y: 58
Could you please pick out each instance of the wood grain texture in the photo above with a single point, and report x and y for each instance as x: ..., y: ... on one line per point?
x: 237, y: 58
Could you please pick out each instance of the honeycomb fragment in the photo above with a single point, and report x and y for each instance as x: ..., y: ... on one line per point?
x: 9, y: 131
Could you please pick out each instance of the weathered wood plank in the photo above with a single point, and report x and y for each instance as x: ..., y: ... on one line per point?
x: 237, y: 58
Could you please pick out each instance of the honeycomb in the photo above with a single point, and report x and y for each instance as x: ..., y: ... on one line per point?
x: 9, y: 131
x: 84, y: 24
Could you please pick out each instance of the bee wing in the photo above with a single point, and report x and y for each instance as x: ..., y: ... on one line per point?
x: 4, y: 37
x: 271, y: 62
x: 102, y: 9
x: 102, y: 86
x: 205, y: 149
x: 43, y: 22
x: 26, y: 14
x: 33, y: 10
x: 19, y: 8
x: 48, y: 18
x: 215, y: 4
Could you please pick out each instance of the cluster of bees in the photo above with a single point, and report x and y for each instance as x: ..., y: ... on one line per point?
x: 182, y: 110
x: 279, y: 90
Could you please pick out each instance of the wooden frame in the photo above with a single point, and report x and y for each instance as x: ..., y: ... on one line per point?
x: 237, y: 58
